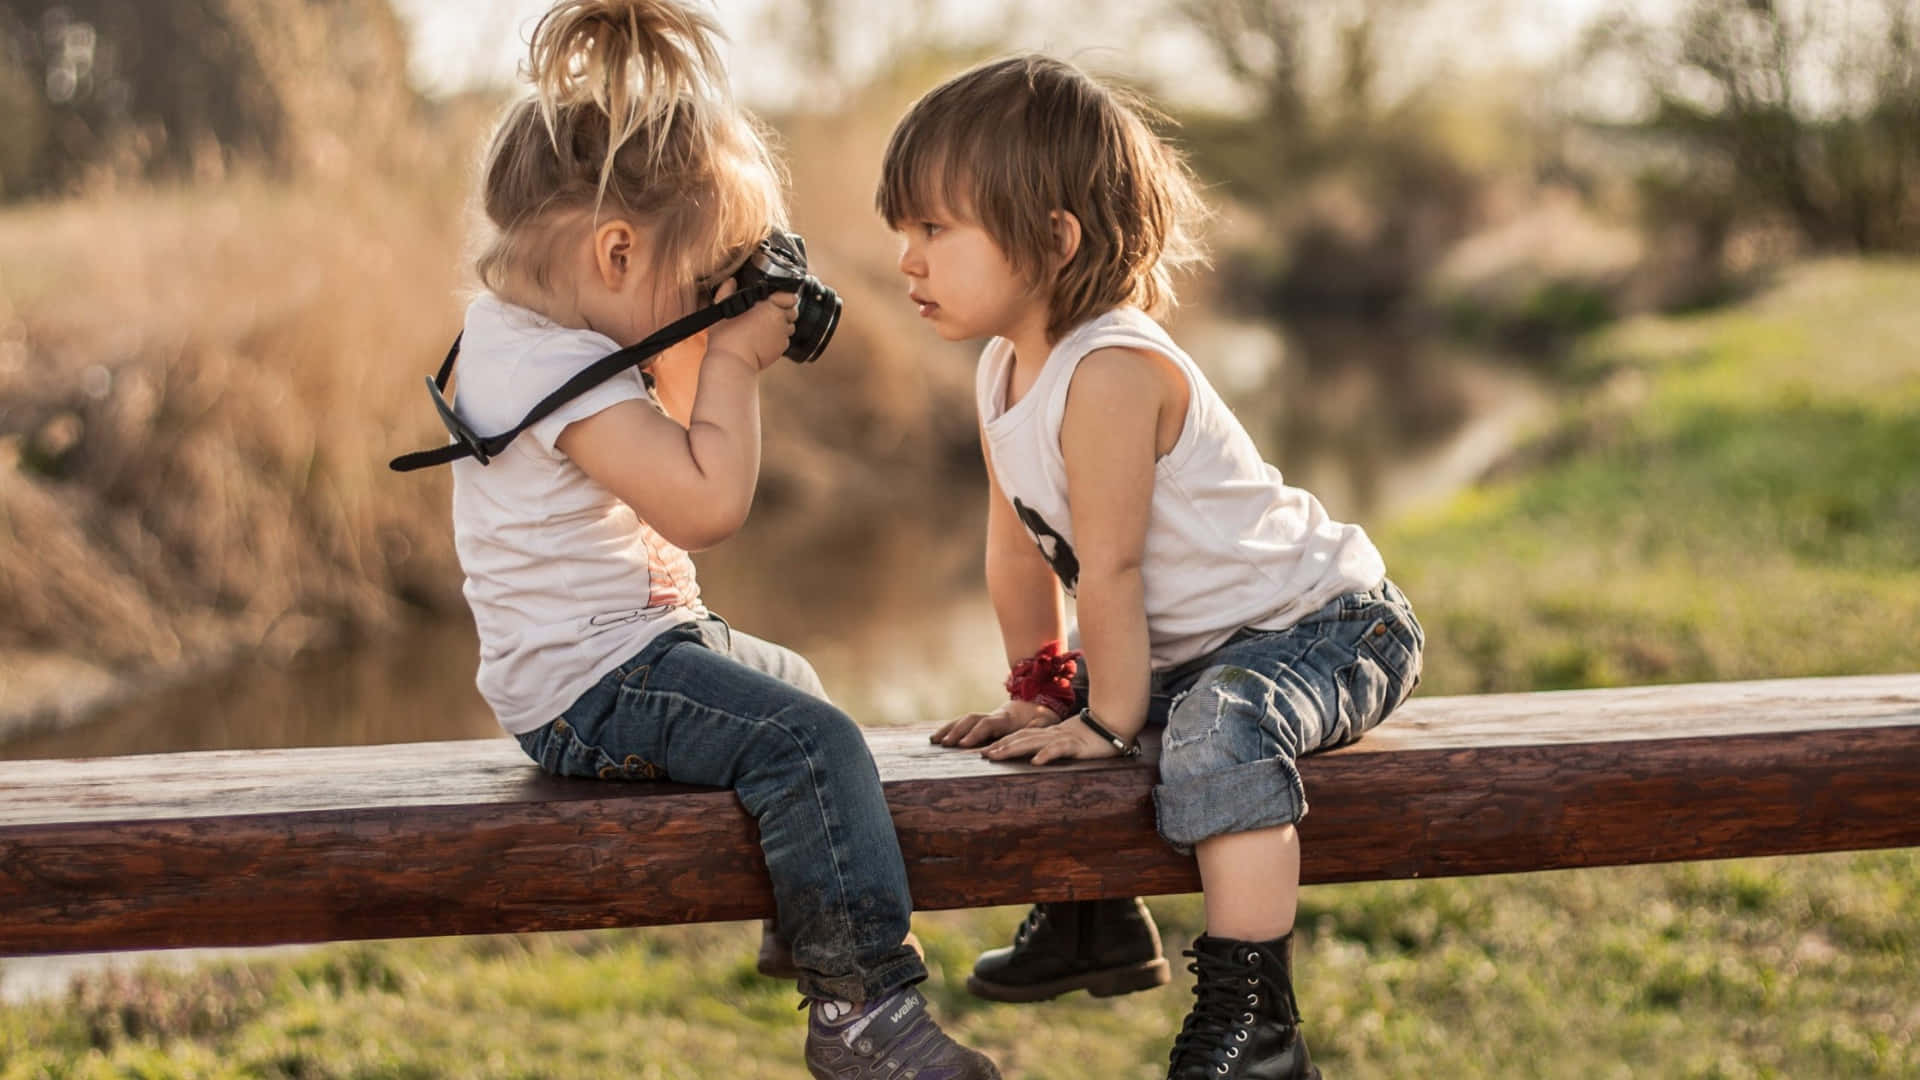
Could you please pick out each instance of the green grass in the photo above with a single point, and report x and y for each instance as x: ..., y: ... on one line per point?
x: 1731, y: 495
x: 1767, y: 968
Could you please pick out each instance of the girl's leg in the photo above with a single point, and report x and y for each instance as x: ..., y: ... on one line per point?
x: 684, y: 711
x: 775, y: 958
x: 764, y: 656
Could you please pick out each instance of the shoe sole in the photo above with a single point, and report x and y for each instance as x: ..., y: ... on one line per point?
x: 1101, y: 984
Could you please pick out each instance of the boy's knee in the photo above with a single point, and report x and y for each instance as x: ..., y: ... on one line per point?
x: 1217, y: 725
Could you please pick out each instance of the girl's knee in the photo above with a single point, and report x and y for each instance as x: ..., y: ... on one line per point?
x: 801, y: 751
x: 808, y: 679
x: 821, y: 730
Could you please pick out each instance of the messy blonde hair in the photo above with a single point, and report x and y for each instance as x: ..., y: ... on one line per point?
x: 1009, y: 142
x: 630, y: 115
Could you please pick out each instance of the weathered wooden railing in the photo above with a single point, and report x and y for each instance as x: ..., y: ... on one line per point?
x: 278, y: 846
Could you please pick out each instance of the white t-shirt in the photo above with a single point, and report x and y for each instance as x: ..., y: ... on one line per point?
x: 1229, y: 545
x: 565, y: 581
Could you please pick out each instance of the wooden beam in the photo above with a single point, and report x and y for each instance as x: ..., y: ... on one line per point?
x: 280, y: 846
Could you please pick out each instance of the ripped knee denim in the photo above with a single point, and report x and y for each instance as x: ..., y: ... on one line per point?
x: 1239, y: 718
x: 703, y: 704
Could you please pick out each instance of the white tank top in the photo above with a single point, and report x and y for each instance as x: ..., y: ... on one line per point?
x: 1229, y: 544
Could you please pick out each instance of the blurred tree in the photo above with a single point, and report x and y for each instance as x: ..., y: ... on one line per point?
x: 185, y: 87
x: 23, y: 115
x: 1362, y: 197
x: 1259, y: 45
x: 1796, y: 113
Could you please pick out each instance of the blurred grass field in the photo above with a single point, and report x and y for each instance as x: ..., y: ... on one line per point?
x: 1728, y: 495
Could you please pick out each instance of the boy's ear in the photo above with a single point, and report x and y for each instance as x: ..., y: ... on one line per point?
x: 616, y: 248
x: 1066, y: 236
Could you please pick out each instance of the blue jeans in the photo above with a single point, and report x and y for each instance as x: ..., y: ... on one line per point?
x: 703, y: 704
x: 1238, y: 718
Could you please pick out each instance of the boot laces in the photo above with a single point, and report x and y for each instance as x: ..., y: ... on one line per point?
x: 1029, y: 925
x: 1228, y: 995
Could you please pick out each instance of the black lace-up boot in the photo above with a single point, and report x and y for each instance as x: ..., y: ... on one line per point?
x: 1105, y: 947
x: 1246, y: 1024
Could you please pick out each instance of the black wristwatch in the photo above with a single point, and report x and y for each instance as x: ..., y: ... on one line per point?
x: 1127, y: 749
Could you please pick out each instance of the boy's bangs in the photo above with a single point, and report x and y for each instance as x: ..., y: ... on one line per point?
x: 923, y: 179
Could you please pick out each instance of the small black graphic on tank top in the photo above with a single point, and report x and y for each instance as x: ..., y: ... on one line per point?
x: 1058, y: 552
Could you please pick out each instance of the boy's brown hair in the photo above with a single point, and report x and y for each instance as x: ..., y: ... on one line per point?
x: 1009, y: 142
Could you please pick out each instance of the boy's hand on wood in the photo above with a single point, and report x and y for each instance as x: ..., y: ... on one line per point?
x: 975, y: 729
x: 1061, y: 742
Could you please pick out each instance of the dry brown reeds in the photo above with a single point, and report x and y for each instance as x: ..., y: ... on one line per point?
x: 200, y: 388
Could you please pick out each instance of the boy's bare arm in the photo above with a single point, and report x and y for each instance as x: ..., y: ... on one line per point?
x: 1026, y: 596
x: 1109, y: 440
x: 1031, y: 611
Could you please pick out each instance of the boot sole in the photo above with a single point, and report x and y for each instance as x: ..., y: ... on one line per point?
x: 1101, y: 984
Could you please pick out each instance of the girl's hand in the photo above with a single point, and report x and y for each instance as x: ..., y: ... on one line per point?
x: 1071, y: 741
x: 758, y: 335
x: 976, y: 728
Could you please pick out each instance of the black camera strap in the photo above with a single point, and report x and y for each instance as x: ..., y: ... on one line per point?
x: 483, y: 448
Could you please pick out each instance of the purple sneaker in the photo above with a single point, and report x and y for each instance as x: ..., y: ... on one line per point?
x: 893, y: 1037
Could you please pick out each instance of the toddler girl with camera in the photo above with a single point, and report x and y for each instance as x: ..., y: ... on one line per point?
x: 623, y: 194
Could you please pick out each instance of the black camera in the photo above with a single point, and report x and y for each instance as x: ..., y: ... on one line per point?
x: 781, y: 260
x: 779, y: 264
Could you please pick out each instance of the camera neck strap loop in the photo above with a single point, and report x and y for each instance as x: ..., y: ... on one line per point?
x: 483, y: 448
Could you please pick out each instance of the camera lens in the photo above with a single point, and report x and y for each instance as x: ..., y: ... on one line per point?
x: 818, y: 317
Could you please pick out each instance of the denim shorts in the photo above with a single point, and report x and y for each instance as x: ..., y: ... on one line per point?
x: 1238, y: 719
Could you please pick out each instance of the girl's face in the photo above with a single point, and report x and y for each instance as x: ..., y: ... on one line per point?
x: 962, y: 282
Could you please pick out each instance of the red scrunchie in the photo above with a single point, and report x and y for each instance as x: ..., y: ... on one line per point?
x: 1046, y: 678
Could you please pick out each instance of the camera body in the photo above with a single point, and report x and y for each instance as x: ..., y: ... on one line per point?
x: 781, y: 260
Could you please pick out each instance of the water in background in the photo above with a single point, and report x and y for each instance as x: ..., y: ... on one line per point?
x: 886, y: 598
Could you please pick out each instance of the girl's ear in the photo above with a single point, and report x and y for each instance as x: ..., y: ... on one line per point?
x: 1066, y: 236
x: 616, y: 253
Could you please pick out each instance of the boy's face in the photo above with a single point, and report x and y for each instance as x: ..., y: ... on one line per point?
x: 962, y: 282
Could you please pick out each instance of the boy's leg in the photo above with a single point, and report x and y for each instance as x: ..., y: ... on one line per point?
x: 1230, y: 789
x: 1105, y: 947
x: 1251, y: 882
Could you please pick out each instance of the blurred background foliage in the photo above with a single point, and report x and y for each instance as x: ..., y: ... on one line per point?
x: 236, y: 231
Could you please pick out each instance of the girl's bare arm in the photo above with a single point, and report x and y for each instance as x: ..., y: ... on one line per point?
x: 692, y: 484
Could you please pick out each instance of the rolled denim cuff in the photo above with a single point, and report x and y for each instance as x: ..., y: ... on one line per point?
x: 1258, y: 795
x: 871, y: 986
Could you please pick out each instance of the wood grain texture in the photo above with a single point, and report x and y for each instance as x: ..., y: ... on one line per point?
x: 267, y: 847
